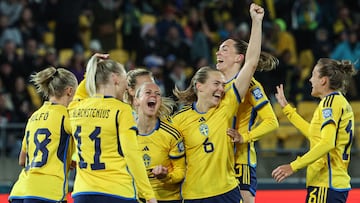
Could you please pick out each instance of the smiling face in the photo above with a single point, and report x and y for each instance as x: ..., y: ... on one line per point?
x: 317, y: 83
x: 227, y: 56
x: 211, y: 92
x: 148, y: 99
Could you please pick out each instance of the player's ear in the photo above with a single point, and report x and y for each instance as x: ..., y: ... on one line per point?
x: 70, y: 91
x: 324, y: 80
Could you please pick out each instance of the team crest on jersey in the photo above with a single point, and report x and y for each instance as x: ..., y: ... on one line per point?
x: 327, y: 113
x: 180, y: 146
x: 204, y: 129
x: 257, y: 93
x: 147, y: 160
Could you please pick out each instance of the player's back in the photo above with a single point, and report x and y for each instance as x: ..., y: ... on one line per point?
x: 48, y: 146
x: 98, y: 124
x: 334, y: 108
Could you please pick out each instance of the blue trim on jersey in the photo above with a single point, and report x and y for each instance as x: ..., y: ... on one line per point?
x: 248, y: 151
x: 340, y: 189
x: 234, y: 121
x: 62, y: 154
x: 101, y: 193
x: 333, y: 93
x: 330, y: 178
x: 327, y: 122
x: 330, y: 171
x: 253, y: 115
x: 121, y: 153
x: 238, y: 96
x: 157, y: 126
x: 194, y: 107
x: 107, y: 96
x: 176, y: 157
x: 65, y: 167
x: 61, y: 150
x: 231, y: 79
x: 32, y: 197
x: 259, y: 106
x: 133, y: 182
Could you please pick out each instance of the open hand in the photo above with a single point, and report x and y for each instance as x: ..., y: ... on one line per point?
x: 280, y: 97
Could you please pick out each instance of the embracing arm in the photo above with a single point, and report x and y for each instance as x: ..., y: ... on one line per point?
x: 176, y: 175
x: 268, y: 123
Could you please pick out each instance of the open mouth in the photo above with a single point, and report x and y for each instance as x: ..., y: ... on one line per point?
x: 151, y: 104
x: 217, y: 95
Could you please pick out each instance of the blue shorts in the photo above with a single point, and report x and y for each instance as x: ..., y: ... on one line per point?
x: 233, y: 196
x: 325, y: 195
x: 160, y: 201
x: 32, y: 201
x: 247, y: 177
x: 101, y: 199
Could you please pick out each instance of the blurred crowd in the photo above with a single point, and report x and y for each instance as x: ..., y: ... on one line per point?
x: 171, y: 38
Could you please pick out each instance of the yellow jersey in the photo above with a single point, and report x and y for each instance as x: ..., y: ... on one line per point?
x: 255, y: 108
x: 209, y: 150
x: 109, y: 160
x: 164, y: 146
x: 330, y: 133
x: 48, y: 146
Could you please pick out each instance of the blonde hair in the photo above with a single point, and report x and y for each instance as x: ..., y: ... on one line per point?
x: 167, y: 104
x: 98, y: 72
x: 53, y: 82
x: 131, y: 78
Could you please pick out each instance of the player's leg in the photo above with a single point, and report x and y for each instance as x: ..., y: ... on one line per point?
x: 247, y: 182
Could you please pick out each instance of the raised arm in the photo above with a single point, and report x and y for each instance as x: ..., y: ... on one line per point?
x: 299, y: 122
x: 253, y: 51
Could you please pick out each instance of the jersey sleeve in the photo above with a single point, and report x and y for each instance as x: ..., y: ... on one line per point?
x: 81, y: 92
x: 263, y: 109
x: 330, y: 112
x: 327, y: 142
x: 68, y: 130
x: 132, y: 153
x: 177, y: 157
x: 299, y: 122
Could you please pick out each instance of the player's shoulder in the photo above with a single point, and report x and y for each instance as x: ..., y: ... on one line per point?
x: 184, y: 110
x: 333, y: 100
x: 169, y: 128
